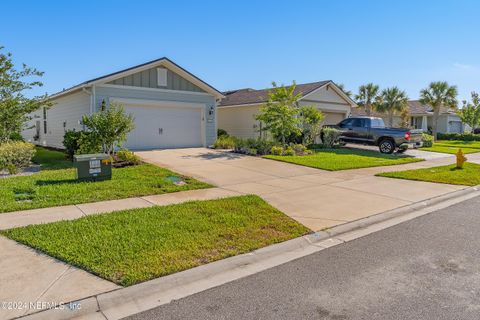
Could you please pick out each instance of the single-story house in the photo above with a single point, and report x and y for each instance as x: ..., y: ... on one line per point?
x: 236, y: 112
x: 172, y: 107
x: 421, y: 117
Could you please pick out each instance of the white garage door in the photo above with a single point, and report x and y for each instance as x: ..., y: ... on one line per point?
x: 165, y: 127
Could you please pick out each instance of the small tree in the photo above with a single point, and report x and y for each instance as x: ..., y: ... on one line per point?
x: 280, y: 112
x: 15, y: 107
x: 110, y: 126
x: 470, y: 112
x: 438, y: 95
x: 392, y: 100
x: 311, y: 122
x: 367, y: 97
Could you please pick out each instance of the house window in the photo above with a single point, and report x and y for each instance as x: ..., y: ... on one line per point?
x: 45, y: 120
x: 161, y: 77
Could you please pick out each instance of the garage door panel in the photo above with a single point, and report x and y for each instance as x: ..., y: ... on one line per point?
x: 165, y: 127
x: 333, y: 117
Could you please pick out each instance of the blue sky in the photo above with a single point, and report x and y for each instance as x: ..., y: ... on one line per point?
x: 237, y: 44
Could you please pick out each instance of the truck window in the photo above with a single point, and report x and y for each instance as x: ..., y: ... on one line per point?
x: 359, y: 122
x: 377, y: 123
x: 346, y: 123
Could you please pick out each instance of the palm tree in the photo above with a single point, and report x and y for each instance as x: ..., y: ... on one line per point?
x: 366, y: 97
x: 347, y: 92
x: 392, y: 100
x: 437, y: 95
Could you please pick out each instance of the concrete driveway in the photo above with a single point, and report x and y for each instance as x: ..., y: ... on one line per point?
x: 318, y: 199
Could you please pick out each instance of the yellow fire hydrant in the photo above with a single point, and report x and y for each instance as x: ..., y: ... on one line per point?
x: 460, y: 159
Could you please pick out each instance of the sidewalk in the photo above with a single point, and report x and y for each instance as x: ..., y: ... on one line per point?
x: 45, y: 215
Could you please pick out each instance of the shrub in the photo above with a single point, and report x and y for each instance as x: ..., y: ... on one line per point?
x: 15, y: 155
x: 128, y: 156
x: 289, y: 152
x: 276, y: 150
x: 222, y: 133
x: 110, y: 126
x: 458, y: 136
x: 427, y: 140
x: 80, y: 142
x: 261, y: 146
x: 330, y: 137
x: 88, y: 143
x: 70, y: 142
x: 224, y: 142
x: 299, y: 149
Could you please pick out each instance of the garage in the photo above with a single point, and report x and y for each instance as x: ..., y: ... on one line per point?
x: 333, y: 117
x: 160, y: 125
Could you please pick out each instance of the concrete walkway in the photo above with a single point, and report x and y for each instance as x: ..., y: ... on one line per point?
x: 46, y: 215
x: 318, y: 199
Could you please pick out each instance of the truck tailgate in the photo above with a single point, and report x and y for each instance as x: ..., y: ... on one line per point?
x: 416, y: 135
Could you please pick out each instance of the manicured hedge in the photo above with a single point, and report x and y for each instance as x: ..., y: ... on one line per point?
x: 459, y: 136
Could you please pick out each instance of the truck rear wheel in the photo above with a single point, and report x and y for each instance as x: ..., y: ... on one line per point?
x: 386, y: 146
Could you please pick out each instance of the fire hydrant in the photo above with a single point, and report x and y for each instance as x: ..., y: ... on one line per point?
x: 460, y: 159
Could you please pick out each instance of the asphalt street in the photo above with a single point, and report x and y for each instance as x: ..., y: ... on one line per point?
x: 426, y: 268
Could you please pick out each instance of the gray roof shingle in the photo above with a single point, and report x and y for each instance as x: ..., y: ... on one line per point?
x: 251, y: 96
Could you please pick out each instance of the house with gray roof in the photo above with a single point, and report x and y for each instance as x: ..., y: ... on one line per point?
x: 421, y: 117
x: 237, y: 110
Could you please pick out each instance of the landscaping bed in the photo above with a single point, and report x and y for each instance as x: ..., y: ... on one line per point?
x: 136, y: 245
x: 468, y: 176
x: 50, y: 188
x: 452, y: 146
x: 343, y: 159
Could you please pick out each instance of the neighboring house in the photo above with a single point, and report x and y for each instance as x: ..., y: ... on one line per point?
x: 172, y: 107
x: 421, y: 117
x: 236, y: 112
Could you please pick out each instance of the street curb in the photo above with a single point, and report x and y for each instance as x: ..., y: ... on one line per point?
x: 127, y: 301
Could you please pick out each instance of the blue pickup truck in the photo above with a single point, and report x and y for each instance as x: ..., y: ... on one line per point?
x: 372, y: 131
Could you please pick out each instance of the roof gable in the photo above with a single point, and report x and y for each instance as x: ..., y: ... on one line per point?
x: 148, y: 79
x: 195, y: 82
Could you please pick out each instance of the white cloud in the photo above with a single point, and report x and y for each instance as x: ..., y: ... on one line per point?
x: 463, y: 66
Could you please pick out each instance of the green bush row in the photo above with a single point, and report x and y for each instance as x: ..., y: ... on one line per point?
x: 15, y: 155
x: 459, y: 136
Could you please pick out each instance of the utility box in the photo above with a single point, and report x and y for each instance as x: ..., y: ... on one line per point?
x: 95, y: 167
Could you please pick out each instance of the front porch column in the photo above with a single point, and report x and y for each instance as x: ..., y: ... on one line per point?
x: 424, y: 124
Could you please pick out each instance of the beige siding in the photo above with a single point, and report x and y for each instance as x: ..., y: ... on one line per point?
x: 66, y: 110
x: 326, y: 94
x: 148, y: 79
x: 333, y: 117
x: 239, y: 121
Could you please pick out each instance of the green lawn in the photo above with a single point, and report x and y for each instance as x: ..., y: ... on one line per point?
x: 452, y: 146
x: 468, y: 176
x: 51, y: 159
x: 132, y: 246
x: 50, y: 188
x: 342, y: 159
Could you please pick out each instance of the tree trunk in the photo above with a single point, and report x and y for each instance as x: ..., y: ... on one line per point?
x: 436, y: 111
x: 390, y: 118
x: 368, y: 109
